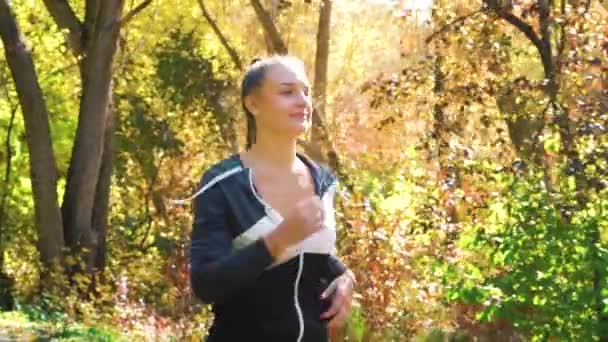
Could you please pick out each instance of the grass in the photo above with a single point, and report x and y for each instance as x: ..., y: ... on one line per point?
x: 21, y: 326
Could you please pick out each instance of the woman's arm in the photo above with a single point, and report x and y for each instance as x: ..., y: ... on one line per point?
x: 217, y: 271
x: 337, y: 269
x: 335, y: 266
x: 341, y: 292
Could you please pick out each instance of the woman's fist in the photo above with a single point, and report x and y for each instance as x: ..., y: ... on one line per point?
x: 305, y: 219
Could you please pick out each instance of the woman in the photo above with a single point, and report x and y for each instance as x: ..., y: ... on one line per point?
x: 264, y: 226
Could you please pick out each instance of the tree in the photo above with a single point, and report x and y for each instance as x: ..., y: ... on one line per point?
x: 556, y: 33
x: 81, y: 223
x: 556, y: 125
x: 43, y: 169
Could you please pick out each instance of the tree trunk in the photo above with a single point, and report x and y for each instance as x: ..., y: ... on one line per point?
x: 101, y: 208
x: 43, y: 169
x: 320, y: 81
x: 7, y: 302
x: 85, y: 166
x: 278, y: 45
x: 6, y: 282
x: 322, y: 56
x: 234, y: 56
x: 91, y: 12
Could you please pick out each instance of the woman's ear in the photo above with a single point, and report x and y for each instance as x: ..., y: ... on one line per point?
x: 251, y: 104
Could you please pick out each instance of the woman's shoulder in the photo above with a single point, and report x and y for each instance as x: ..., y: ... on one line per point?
x: 221, y: 169
x: 323, y: 171
x: 214, y: 174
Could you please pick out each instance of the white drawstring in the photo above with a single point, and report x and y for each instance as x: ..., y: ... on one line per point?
x: 297, y: 285
x: 273, y: 215
x: 207, y: 186
x: 295, y: 295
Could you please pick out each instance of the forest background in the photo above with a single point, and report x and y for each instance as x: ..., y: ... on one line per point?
x: 469, y: 137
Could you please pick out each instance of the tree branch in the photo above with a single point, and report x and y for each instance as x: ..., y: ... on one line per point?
x: 544, y: 48
x: 544, y: 22
x: 278, y: 45
x: 147, y: 199
x: 521, y: 25
x: 63, y: 15
x: 562, y: 39
x: 458, y: 20
x: 134, y: 12
x: 65, y: 18
x: 231, y: 51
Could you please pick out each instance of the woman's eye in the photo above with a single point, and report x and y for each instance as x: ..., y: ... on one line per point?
x: 287, y: 92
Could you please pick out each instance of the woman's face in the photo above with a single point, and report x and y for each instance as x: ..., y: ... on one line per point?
x: 282, y: 104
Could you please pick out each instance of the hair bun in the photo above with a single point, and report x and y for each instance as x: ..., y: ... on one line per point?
x: 255, y: 60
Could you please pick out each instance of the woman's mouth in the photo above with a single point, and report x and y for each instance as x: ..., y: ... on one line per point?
x: 299, y: 115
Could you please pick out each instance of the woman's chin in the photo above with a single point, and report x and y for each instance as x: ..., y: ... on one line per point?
x: 292, y: 130
x: 297, y: 129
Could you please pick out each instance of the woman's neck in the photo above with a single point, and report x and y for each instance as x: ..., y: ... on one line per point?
x: 275, y: 153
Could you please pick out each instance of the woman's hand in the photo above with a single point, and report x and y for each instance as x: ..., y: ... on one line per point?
x: 305, y: 219
x: 338, y: 312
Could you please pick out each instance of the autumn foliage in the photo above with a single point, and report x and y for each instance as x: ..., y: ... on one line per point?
x: 469, y: 138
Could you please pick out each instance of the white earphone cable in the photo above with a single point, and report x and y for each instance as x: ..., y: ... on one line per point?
x: 296, y: 299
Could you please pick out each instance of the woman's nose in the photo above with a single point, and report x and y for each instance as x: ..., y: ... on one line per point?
x: 303, y: 99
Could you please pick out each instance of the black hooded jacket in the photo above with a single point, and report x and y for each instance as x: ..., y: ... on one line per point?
x: 254, y: 297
